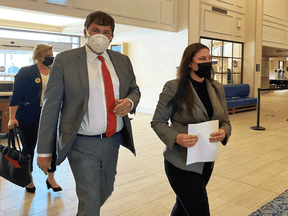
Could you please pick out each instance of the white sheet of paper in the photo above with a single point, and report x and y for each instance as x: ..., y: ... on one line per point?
x: 204, y: 150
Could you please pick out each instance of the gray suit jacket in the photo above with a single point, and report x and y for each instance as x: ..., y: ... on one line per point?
x: 66, y: 100
x: 175, y: 153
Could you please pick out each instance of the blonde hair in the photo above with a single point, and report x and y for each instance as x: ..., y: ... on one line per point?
x: 39, y: 50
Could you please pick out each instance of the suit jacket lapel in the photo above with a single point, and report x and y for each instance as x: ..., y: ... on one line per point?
x: 81, y: 62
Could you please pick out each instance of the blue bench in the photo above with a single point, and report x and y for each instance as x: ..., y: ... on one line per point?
x: 237, y: 98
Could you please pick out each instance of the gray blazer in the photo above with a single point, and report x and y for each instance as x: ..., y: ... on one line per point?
x: 175, y: 153
x: 66, y: 100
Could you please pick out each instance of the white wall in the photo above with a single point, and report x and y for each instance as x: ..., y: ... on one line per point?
x: 154, y: 55
x: 228, y: 25
x: 275, y: 23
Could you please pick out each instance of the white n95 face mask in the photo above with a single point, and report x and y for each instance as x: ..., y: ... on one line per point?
x: 98, y: 42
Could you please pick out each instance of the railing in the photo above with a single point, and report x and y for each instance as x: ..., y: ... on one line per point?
x: 258, y: 127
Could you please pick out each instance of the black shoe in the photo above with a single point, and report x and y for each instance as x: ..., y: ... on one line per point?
x: 31, y: 190
x: 54, y: 189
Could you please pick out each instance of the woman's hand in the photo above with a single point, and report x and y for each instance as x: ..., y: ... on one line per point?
x: 186, y: 140
x: 12, y: 122
x: 218, y: 136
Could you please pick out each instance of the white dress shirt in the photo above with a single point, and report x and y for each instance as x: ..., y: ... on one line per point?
x: 95, y: 119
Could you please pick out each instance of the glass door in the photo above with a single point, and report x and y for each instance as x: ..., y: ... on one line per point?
x: 11, y: 61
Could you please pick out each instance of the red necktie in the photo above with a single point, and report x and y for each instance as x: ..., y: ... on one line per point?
x: 110, y: 99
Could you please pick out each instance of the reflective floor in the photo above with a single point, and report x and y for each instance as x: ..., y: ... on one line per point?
x: 250, y: 171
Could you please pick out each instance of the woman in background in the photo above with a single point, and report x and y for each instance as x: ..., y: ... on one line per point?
x: 192, y: 98
x: 26, y: 103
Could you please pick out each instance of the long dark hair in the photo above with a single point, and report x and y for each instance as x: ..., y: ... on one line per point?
x: 184, y: 90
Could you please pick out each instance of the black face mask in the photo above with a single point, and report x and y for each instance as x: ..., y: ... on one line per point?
x: 48, y: 61
x: 204, y: 70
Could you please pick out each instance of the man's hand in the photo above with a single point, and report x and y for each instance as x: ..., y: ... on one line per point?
x: 123, y: 107
x: 44, y: 163
x: 186, y: 140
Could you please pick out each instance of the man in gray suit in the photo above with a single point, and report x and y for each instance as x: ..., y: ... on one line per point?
x: 75, y: 113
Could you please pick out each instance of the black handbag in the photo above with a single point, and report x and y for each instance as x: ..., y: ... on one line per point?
x: 14, y: 164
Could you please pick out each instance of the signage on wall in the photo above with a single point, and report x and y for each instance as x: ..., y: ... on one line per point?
x: 282, y: 50
x: 219, y: 10
x: 257, y: 67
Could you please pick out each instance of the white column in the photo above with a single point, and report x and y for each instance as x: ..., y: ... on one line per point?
x: 194, y: 22
x: 253, y: 45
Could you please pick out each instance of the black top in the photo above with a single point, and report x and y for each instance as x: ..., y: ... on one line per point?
x: 202, y: 92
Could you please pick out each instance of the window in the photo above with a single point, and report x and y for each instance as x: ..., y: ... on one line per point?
x: 116, y: 48
x: 58, y: 2
x: 227, y: 60
x: 13, y: 58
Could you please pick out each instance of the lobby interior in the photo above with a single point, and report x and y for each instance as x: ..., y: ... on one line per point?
x: 249, y: 172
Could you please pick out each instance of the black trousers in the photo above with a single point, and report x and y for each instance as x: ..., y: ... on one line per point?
x: 190, y: 190
x: 29, y: 129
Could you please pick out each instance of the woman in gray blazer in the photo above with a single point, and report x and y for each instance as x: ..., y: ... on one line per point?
x: 192, y: 98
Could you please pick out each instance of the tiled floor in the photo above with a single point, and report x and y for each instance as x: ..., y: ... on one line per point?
x: 250, y: 171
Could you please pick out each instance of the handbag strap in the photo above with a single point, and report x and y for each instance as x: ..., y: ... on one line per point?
x: 13, y: 133
x: 11, y: 140
x: 18, y: 131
